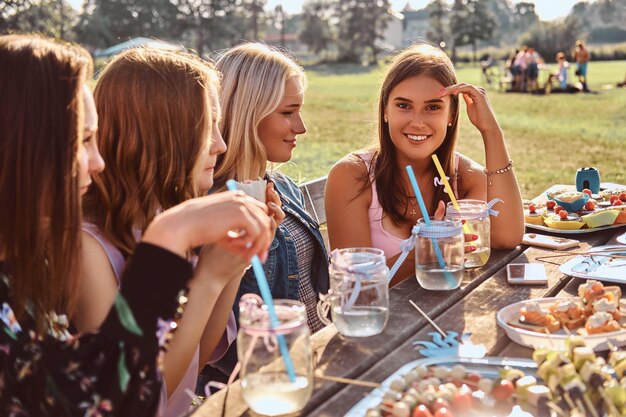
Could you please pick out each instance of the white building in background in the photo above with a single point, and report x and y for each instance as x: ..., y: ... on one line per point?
x: 404, y: 28
x: 393, y: 37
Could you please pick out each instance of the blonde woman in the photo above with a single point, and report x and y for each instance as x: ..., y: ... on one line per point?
x: 262, y: 95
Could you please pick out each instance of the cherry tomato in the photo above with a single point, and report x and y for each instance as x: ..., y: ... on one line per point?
x: 443, y: 412
x: 462, y: 401
x: 531, y: 208
x: 421, y: 411
x: 618, y: 203
x: 590, y: 205
x: 613, y: 198
x: 503, y: 390
x: 550, y: 204
x: 473, y: 377
x: 563, y: 214
x: 587, y: 191
x: 439, y: 403
x: 622, y: 196
x: 557, y: 209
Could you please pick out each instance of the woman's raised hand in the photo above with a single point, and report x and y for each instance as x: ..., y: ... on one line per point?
x: 479, y: 109
x: 230, y: 219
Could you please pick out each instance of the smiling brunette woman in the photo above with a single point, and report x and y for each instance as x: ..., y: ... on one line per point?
x: 369, y: 199
x: 47, y: 155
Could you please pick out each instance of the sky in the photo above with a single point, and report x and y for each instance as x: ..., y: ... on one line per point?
x: 546, y: 9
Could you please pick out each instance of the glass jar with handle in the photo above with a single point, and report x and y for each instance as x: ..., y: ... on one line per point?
x: 266, y: 385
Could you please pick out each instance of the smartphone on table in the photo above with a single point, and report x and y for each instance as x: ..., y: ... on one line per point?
x: 526, y: 274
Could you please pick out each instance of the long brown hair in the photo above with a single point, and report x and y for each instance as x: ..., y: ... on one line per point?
x: 419, y: 59
x: 153, y: 125
x: 41, y: 123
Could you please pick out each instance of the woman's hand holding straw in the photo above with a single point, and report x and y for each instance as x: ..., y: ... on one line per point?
x: 269, y: 302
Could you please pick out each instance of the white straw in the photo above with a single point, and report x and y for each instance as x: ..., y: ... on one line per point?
x: 428, y: 319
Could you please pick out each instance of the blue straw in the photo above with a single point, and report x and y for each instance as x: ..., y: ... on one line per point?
x: 420, y: 200
x: 266, y: 294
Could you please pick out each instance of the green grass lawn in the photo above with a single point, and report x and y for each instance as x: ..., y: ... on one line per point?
x: 548, y: 136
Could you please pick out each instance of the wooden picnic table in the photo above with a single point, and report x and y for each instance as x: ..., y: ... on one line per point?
x: 472, y: 308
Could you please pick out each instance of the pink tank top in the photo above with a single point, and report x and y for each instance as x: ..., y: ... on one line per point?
x: 180, y: 401
x: 382, y: 239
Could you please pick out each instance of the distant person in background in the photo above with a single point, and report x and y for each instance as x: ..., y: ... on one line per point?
x: 519, y: 70
x: 581, y: 55
x: 561, y: 74
x: 533, y: 61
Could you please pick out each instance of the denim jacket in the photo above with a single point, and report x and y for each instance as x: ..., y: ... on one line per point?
x: 281, y: 267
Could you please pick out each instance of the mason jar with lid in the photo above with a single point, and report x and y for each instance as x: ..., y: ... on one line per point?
x: 439, y: 254
x: 359, y: 294
x: 476, y: 216
x: 266, y: 385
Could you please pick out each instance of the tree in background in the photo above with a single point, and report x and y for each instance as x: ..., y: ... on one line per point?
x: 525, y: 17
x: 504, y: 33
x: 470, y: 22
x: 209, y: 24
x: 437, y: 14
x: 253, y: 10
x: 548, y: 38
x: 361, y: 24
x: 55, y: 18
x: 316, y: 29
x: 106, y: 22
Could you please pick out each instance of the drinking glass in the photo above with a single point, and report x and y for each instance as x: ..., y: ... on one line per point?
x: 439, y: 254
x: 265, y: 383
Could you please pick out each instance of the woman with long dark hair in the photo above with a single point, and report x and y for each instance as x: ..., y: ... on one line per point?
x: 369, y: 200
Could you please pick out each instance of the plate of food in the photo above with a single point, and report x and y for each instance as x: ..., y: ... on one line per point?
x: 562, y: 209
x: 569, y: 382
x: 603, y: 263
x: 598, y: 314
x: 422, y: 387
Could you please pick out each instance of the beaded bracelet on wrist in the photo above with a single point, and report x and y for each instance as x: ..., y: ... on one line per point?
x: 498, y: 171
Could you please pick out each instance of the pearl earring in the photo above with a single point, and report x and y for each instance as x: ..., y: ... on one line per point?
x: 385, y: 120
x: 450, y: 124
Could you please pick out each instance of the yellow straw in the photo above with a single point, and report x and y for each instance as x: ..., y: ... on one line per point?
x: 467, y: 229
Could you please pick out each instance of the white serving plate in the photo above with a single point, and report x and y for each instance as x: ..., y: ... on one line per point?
x: 613, y: 271
x: 621, y: 239
x: 488, y: 367
x: 572, y: 232
x: 555, y: 340
x: 541, y: 198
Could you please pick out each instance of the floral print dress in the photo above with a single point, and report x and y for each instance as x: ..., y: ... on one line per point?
x: 114, y: 372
